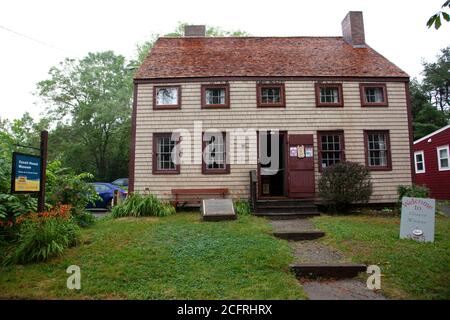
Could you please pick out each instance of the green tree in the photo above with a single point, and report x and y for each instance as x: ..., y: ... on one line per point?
x: 435, y: 19
x: 90, y: 103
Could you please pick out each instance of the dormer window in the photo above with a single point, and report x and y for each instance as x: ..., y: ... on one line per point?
x: 329, y: 95
x: 215, y: 96
x: 166, y: 97
x: 270, y: 95
x: 373, y: 95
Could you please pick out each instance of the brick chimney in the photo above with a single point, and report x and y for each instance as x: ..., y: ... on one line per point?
x: 353, y: 29
x: 194, y: 31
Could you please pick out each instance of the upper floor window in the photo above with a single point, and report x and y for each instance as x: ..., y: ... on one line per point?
x: 377, y: 147
x: 329, y: 95
x: 270, y: 95
x: 164, y: 153
x: 167, y: 97
x: 419, y: 161
x: 331, y: 148
x: 215, y: 96
x: 373, y: 95
x: 443, y: 158
x: 215, y: 153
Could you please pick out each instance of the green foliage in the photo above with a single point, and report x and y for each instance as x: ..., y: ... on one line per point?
x: 41, y: 239
x: 82, y: 217
x: 242, y: 207
x: 12, y: 206
x: 414, y: 191
x: 136, y: 205
x: 345, y: 183
x: 435, y: 19
x: 65, y: 187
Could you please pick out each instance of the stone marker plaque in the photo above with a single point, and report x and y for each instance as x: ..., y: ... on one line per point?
x: 417, y: 222
x: 218, y: 209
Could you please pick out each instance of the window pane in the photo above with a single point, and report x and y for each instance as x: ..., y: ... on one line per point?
x: 331, y: 150
x: 444, y: 163
x: 167, y: 96
x: 215, y: 96
x: 377, y: 148
x: 270, y: 95
x: 164, y: 149
x: 329, y: 95
x: 374, y: 95
x: 443, y: 153
x: 215, y: 152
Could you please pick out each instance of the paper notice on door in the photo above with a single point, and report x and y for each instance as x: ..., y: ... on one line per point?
x: 293, y: 151
x: 301, y: 152
x: 309, y: 152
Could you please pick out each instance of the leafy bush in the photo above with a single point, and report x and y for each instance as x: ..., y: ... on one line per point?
x: 43, y: 238
x: 12, y: 206
x: 136, y: 205
x: 82, y: 217
x: 345, y: 183
x: 242, y: 207
x: 65, y: 187
x: 414, y: 190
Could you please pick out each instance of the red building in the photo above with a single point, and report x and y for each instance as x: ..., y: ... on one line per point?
x: 432, y: 162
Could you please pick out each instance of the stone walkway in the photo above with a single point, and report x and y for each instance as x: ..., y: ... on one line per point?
x: 313, y: 251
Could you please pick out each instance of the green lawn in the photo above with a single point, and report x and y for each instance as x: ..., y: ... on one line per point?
x: 410, y: 270
x: 175, y: 257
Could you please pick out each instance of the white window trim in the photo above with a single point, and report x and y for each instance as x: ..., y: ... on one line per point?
x: 423, y: 161
x: 439, y: 158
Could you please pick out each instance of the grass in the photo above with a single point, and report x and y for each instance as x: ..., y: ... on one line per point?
x: 175, y: 257
x: 410, y: 270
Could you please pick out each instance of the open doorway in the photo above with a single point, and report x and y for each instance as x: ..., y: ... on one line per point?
x: 272, y: 173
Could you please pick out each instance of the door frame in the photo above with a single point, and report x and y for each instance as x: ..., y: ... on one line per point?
x: 259, y: 195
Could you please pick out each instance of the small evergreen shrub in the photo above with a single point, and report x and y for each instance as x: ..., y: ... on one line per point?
x: 136, y: 205
x: 343, y: 184
x: 42, y: 238
x: 242, y: 207
x: 414, y: 191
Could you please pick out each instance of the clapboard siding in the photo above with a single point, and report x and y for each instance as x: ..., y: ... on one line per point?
x: 300, y: 116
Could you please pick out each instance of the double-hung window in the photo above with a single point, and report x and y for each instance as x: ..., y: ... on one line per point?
x: 215, y: 153
x: 373, y: 95
x: 378, y: 153
x: 329, y: 95
x: 419, y: 161
x: 165, y: 154
x: 331, y: 148
x: 215, y: 96
x: 443, y: 158
x: 270, y: 95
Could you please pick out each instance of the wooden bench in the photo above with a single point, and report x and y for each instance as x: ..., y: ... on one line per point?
x: 195, y: 196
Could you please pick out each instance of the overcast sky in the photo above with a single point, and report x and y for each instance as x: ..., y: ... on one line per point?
x: 72, y: 28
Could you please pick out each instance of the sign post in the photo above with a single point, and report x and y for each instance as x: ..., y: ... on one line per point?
x: 44, y: 144
x: 418, y: 217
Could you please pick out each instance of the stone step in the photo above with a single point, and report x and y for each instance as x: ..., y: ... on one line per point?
x: 299, y: 235
x: 285, y: 209
x: 327, y: 270
x: 287, y: 215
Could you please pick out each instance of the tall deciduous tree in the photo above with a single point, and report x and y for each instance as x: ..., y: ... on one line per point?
x: 90, y: 102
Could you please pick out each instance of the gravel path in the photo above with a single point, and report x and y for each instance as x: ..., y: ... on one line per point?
x: 348, y: 289
x: 315, y: 252
x: 291, y: 225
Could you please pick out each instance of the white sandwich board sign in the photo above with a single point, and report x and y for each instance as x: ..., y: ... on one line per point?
x: 418, y: 217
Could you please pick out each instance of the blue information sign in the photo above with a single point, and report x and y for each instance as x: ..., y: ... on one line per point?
x: 26, y: 173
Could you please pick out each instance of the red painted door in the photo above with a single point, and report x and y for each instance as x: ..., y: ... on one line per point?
x: 300, y: 154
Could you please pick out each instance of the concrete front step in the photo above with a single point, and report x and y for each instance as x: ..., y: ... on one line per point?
x: 287, y: 215
x: 299, y: 235
x: 325, y: 270
x: 286, y: 209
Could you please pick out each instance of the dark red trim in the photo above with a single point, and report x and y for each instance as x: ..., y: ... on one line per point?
x: 362, y: 94
x: 410, y: 129
x: 388, y: 150
x: 132, y: 156
x: 166, y: 106
x: 225, y: 86
x: 339, y: 104
x: 272, y: 78
x: 319, y: 144
x: 226, y: 170
x: 260, y: 104
x: 154, y: 155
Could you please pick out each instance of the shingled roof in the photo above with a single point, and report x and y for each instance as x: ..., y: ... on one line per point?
x: 263, y: 57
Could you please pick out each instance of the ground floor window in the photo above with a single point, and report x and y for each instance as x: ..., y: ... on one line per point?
x: 419, y: 161
x: 163, y: 153
x: 443, y: 158
x: 215, y: 153
x: 377, y: 147
x: 331, y: 148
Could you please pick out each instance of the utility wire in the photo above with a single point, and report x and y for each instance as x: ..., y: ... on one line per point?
x: 32, y: 39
